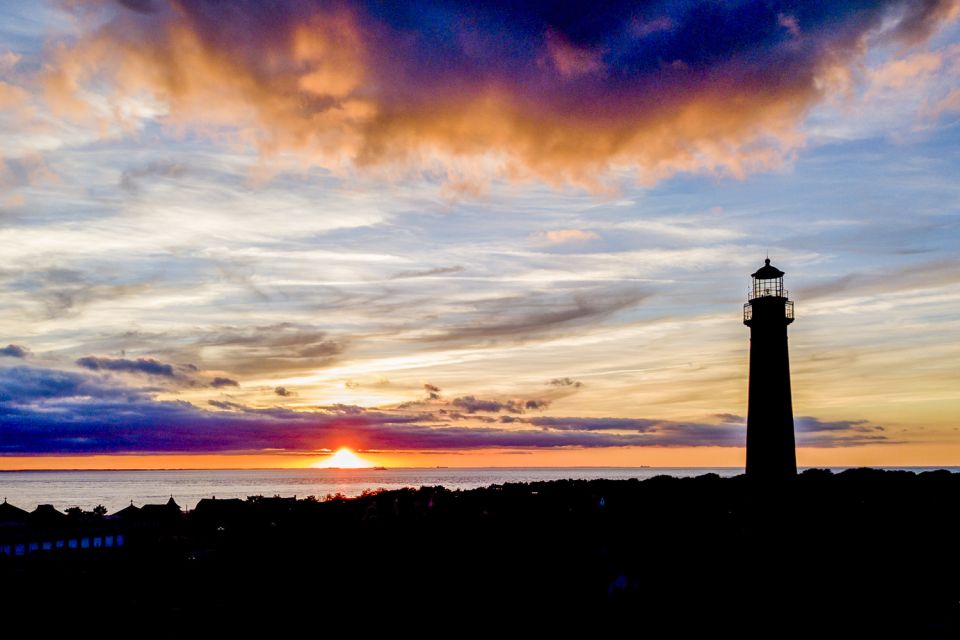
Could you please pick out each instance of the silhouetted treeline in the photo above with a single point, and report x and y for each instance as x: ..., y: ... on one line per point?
x: 859, y: 552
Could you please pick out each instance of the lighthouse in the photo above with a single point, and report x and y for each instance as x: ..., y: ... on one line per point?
x: 771, y: 449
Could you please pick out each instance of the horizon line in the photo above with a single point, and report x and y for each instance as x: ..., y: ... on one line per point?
x: 957, y: 466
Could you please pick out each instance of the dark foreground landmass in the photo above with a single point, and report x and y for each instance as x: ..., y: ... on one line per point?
x: 856, y: 553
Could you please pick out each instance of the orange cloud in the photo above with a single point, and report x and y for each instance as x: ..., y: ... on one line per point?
x: 900, y: 74
x: 341, y: 88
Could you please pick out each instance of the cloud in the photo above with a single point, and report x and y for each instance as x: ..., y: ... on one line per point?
x: 283, y: 392
x: 27, y: 385
x: 565, y: 382
x: 789, y: 23
x: 524, y: 89
x: 564, y: 236
x: 572, y: 61
x: 948, y: 104
x: 14, y: 351
x: 918, y: 20
x: 731, y: 431
x: 130, y: 178
x: 61, y: 292
x: 46, y: 411
x: 904, y: 73
x: 9, y: 60
x: 284, y: 346
x: 223, y: 382
x: 522, y: 318
x: 147, y: 366
x: 942, y: 272
x: 438, y: 271
x: 471, y: 404
x: 596, y: 424
x: 25, y: 171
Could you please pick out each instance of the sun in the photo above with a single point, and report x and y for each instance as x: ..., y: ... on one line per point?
x: 344, y: 459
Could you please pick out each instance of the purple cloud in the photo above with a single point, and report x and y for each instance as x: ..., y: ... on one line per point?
x: 147, y: 366
x: 45, y: 411
x: 14, y: 351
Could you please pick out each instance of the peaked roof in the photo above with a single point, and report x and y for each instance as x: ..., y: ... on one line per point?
x: 128, y: 511
x: 46, y: 513
x: 767, y: 272
x: 10, y: 513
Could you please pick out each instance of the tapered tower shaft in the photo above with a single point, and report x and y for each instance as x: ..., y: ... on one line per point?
x: 771, y: 447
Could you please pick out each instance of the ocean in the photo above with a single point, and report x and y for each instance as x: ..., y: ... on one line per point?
x: 117, y: 489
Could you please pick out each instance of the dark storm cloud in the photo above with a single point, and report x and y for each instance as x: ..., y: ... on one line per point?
x: 223, y: 382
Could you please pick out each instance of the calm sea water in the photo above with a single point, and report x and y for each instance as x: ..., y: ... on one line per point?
x: 116, y: 489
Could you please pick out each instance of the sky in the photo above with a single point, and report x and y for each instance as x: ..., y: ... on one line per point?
x: 248, y: 234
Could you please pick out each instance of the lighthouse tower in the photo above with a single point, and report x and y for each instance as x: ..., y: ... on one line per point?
x: 771, y: 450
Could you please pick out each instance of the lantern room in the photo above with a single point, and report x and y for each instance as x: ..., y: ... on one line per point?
x: 768, y: 282
x: 767, y: 298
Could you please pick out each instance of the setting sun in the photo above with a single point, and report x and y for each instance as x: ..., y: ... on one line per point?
x: 344, y: 459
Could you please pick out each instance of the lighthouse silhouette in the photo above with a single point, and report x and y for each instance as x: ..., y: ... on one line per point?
x: 771, y: 449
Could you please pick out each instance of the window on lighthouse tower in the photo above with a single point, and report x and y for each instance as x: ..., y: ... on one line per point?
x: 768, y: 287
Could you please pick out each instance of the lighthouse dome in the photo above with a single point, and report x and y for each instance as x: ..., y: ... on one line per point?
x: 767, y: 271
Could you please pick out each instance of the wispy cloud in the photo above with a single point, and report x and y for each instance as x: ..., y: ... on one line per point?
x: 523, y: 318
x: 436, y: 271
x: 562, y: 236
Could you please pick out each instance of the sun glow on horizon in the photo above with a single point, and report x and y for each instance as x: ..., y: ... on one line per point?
x: 343, y: 459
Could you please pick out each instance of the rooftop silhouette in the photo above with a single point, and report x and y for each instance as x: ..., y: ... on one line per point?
x: 862, y: 551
